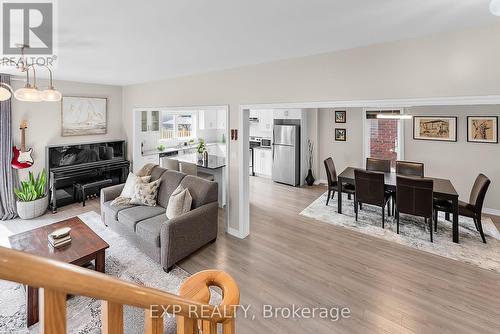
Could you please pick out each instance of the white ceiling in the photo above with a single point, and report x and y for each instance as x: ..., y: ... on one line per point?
x: 129, y: 41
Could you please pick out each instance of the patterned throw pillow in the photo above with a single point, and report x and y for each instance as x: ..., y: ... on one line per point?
x: 132, y: 179
x: 145, y: 193
x: 179, y: 202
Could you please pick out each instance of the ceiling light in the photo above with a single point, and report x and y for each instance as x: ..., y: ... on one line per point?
x: 495, y: 7
x: 394, y: 116
x: 51, y: 95
x: 5, y: 91
x: 28, y: 94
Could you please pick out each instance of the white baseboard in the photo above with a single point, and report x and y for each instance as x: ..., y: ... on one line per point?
x: 236, y: 233
x: 494, y: 212
x: 318, y: 182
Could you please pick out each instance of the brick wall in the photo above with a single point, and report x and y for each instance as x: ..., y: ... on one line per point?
x: 383, y: 134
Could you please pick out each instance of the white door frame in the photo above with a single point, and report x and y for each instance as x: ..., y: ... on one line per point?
x: 243, y: 137
x: 228, y: 161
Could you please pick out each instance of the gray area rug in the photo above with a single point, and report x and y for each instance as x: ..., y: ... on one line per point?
x: 124, y: 261
x: 414, y: 233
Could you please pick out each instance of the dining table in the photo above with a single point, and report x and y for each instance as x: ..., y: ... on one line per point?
x: 443, y: 189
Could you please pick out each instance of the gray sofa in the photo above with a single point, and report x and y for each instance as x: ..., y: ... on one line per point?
x: 166, y: 241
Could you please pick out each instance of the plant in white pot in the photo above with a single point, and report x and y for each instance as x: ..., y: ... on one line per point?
x: 32, y: 200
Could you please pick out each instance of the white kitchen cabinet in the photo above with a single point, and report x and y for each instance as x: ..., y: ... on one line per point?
x: 150, y: 121
x: 263, y: 162
x: 266, y: 118
x: 288, y: 113
x: 207, y: 119
x: 221, y: 119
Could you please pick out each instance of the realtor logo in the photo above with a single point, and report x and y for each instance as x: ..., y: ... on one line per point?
x: 28, y: 24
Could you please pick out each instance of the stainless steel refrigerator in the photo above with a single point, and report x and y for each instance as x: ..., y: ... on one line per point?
x: 286, y: 154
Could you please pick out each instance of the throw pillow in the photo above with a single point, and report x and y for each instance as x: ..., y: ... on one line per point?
x: 179, y: 202
x: 129, y: 188
x: 145, y: 193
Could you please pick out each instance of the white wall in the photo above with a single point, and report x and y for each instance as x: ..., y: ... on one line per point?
x: 44, y: 119
x: 461, y: 63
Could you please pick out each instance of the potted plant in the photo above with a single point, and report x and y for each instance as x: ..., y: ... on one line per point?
x: 201, y: 148
x: 32, y: 200
x: 310, y: 150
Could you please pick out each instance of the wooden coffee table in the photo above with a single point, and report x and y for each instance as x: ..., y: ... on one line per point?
x: 85, y: 246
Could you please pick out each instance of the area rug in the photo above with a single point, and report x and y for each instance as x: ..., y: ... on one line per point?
x: 124, y: 261
x: 414, y: 233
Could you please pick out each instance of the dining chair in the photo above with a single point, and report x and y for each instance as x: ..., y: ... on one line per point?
x: 378, y: 165
x: 331, y: 176
x: 414, y: 197
x: 370, y: 189
x: 473, y: 209
x: 409, y: 168
x: 170, y: 164
x: 192, y: 169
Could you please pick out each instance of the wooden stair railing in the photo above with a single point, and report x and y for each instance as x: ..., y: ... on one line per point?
x: 58, y: 279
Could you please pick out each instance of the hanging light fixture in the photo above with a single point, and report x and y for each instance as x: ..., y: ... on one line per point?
x: 51, y: 94
x: 495, y: 7
x: 5, y: 91
x: 29, y: 93
x: 393, y: 115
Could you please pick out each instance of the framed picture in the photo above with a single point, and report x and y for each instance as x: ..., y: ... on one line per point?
x: 440, y: 128
x: 82, y: 116
x: 340, y: 116
x: 482, y: 129
x: 340, y: 134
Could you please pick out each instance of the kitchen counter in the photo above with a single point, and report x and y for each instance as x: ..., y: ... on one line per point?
x: 168, y: 150
x: 214, y: 161
x: 261, y: 148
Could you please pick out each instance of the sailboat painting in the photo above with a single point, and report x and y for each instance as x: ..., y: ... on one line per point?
x: 83, y: 116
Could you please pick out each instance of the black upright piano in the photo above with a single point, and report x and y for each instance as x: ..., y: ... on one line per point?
x: 79, y: 164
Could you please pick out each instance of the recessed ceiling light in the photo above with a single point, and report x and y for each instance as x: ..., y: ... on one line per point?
x: 495, y: 7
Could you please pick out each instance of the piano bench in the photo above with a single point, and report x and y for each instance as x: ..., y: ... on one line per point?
x: 80, y: 189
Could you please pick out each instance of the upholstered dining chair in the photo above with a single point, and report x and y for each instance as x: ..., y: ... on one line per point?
x: 331, y: 175
x: 370, y: 189
x: 378, y: 165
x: 192, y: 169
x: 170, y: 164
x: 409, y: 168
x: 414, y: 197
x: 473, y: 209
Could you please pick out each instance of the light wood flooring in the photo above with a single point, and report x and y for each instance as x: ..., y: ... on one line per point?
x: 289, y: 259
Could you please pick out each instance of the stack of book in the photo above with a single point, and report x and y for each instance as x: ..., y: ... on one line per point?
x: 60, y: 237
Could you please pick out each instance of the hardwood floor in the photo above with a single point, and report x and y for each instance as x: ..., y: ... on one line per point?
x: 289, y: 259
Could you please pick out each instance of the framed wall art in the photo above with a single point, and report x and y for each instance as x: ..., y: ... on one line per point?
x: 439, y: 128
x: 82, y: 116
x: 340, y: 116
x: 340, y: 134
x: 482, y: 129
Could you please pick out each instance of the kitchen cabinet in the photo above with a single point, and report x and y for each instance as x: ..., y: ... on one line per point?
x: 150, y: 120
x: 212, y: 119
x: 266, y: 120
x: 288, y: 113
x: 263, y: 162
x: 221, y: 119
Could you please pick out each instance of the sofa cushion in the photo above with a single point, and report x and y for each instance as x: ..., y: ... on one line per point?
x: 115, y: 209
x: 130, y: 217
x: 202, y: 191
x: 170, y: 180
x: 149, y: 229
x: 157, y: 172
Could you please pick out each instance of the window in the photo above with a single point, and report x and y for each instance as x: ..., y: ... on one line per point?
x: 176, y: 125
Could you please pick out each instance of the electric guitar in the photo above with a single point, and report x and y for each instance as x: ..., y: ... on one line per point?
x: 22, y: 158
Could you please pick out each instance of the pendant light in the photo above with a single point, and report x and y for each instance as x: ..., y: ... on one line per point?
x: 29, y: 93
x: 393, y: 115
x: 5, y: 91
x: 51, y: 94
